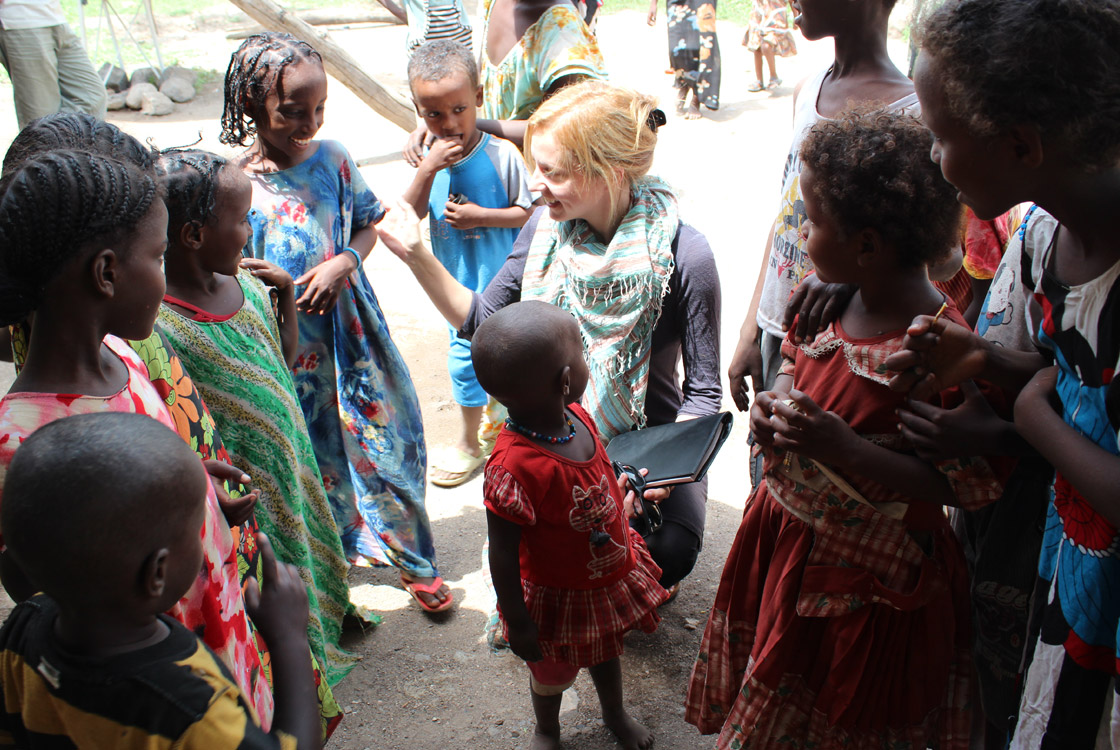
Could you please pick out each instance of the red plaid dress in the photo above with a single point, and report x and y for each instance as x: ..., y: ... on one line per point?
x: 838, y: 623
x: 582, y: 596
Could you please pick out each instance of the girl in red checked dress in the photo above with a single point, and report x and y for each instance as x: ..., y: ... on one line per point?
x: 572, y: 577
x: 842, y: 615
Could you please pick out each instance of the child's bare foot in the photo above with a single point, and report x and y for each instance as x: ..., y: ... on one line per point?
x: 544, y: 740
x: 693, y: 112
x: 631, y: 735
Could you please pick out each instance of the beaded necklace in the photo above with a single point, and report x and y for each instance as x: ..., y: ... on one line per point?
x: 544, y: 438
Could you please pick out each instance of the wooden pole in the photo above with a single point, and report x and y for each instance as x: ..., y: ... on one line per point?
x: 336, y: 60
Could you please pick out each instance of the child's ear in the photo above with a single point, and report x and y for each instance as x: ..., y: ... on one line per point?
x: 566, y: 381
x: 478, y: 97
x: 103, y: 270
x: 190, y: 235
x: 870, y: 247
x: 1026, y: 145
x: 153, y: 574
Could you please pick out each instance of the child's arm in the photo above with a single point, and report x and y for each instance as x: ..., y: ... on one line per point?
x: 1093, y: 471
x: 279, y: 610
x: 505, y: 569
x: 470, y: 215
x: 814, y: 433
x: 938, y: 354
x: 971, y: 429
x: 746, y: 362
x: 281, y: 281
x: 441, y: 155
x: 324, y: 281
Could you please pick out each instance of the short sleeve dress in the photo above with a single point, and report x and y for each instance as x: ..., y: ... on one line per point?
x: 587, y: 577
x: 559, y: 44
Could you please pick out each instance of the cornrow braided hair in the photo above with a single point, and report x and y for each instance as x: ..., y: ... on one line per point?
x: 52, y: 207
x: 79, y: 131
x: 254, y: 70
x: 189, y: 178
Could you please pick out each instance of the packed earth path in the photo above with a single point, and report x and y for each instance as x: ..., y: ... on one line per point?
x: 431, y: 684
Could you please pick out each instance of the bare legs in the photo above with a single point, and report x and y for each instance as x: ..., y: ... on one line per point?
x: 608, y: 684
x: 765, y: 51
x: 693, y: 110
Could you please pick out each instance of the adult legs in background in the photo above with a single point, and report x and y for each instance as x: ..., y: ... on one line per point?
x: 50, y: 73
x: 677, y: 544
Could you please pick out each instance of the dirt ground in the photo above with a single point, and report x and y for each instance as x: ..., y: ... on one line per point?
x: 427, y: 684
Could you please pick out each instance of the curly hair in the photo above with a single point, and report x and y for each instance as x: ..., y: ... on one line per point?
x: 79, y: 131
x: 254, y: 70
x: 189, y: 178
x: 872, y: 169
x: 1054, y: 64
x: 52, y: 207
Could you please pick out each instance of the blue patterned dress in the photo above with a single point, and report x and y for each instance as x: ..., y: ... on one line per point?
x: 1070, y: 699
x: 353, y: 386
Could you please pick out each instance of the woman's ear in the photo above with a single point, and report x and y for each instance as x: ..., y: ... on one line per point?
x: 153, y: 574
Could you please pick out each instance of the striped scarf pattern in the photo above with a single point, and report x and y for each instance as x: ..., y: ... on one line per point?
x: 615, y: 293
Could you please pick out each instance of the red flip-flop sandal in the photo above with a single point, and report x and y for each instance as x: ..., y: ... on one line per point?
x: 416, y: 588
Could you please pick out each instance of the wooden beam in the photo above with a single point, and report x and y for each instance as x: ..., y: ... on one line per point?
x: 336, y: 60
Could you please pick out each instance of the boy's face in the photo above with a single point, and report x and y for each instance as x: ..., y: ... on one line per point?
x: 448, y: 107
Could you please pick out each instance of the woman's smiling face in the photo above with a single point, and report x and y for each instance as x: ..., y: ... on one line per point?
x: 568, y: 194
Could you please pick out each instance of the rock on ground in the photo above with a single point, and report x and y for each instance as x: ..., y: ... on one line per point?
x: 156, y: 104
x: 134, y: 99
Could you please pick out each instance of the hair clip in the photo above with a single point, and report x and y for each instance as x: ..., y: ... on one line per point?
x: 655, y: 120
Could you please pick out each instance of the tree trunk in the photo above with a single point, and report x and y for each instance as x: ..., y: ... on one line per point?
x: 336, y: 60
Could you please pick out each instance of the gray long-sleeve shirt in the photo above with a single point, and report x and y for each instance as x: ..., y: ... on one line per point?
x: 688, y: 326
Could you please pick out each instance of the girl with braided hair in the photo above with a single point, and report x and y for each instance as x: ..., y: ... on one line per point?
x: 313, y: 215
x: 217, y: 307
x: 92, y: 274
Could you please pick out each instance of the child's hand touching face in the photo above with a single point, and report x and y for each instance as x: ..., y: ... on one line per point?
x: 443, y: 153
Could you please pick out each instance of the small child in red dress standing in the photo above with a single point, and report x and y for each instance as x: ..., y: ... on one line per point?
x: 572, y: 577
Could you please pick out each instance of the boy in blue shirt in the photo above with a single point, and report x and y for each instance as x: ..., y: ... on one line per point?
x: 476, y: 187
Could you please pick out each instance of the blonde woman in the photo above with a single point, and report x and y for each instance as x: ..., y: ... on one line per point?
x: 609, y: 247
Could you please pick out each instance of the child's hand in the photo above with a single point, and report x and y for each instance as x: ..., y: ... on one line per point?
x: 324, y: 283
x: 523, y: 642
x: 935, y: 355
x: 655, y: 495
x: 463, y: 215
x: 414, y: 147
x: 400, y: 231
x: 236, y: 511
x: 814, y: 304
x: 270, y: 274
x: 761, y: 426
x: 443, y: 153
x: 279, y: 605
x: 745, y: 363
x: 810, y: 431
x: 1037, y: 401
x: 971, y: 429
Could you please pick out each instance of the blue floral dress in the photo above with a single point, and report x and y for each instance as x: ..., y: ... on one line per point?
x: 353, y: 386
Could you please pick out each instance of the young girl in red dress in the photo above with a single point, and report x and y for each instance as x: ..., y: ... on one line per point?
x: 841, y: 618
x: 571, y: 576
